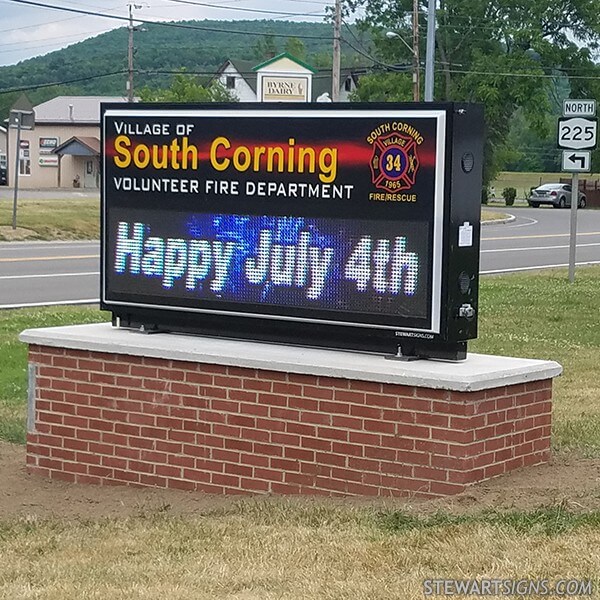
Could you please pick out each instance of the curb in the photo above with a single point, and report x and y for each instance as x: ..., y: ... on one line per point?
x: 509, y: 219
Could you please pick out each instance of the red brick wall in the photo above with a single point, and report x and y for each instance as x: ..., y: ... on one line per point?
x: 111, y: 419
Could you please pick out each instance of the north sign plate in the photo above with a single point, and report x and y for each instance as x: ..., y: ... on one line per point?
x: 579, y: 108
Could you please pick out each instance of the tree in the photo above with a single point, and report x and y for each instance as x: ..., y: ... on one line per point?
x: 186, y: 88
x: 265, y: 47
x: 296, y: 48
x: 506, y: 54
x: 384, y: 87
x: 525, y: 150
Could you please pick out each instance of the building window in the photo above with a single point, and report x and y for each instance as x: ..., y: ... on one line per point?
x: 230, y: 82
x: 24, y: 159
x: 348, y: 84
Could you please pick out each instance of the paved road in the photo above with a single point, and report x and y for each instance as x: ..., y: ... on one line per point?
x: 68, y: 272
x: 7, y: 193
x: 538, y: 238
x: 36, y: 273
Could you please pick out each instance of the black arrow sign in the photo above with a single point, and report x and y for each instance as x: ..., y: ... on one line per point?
x: 581, y: 160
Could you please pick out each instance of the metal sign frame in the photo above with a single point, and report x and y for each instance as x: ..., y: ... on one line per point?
x: 222, y: 135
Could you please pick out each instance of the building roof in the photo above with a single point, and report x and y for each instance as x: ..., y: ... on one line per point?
x: 244, y: 68
x: 322, y: 81
x: 22, y: 104
x: 277, y: 58
x: 79, y: 146
x: 73, y: 109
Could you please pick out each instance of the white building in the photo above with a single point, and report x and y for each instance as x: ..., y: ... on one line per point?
x: 282, y: 78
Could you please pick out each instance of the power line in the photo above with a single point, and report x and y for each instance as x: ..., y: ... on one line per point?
x: 250, y: 10
x: 23, y: 46
x: 562, y: 69
x: 349, y: 29
x: 326, y: 74
x: 142, y: 72
x: 541, y: 75
x: 311, y: 2
x: 37, y: 24
x: 56, y: 83
x: 161, y: 23
x: 373, y: 59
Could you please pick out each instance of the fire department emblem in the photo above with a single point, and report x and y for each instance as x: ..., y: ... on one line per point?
x: 394, y: 162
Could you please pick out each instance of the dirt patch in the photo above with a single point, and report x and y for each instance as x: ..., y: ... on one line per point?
x: 571, y: 481
x: 568, y: 480
x: 8, y: 234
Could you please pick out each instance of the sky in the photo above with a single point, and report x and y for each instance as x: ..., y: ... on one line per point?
x: 28, y: 31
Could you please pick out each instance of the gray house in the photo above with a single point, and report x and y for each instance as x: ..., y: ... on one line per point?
x: 63, y: 150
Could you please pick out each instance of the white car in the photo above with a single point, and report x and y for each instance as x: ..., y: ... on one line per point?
x: 556, y: 194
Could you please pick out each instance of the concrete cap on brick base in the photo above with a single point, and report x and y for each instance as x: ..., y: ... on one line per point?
x: 477, y: 372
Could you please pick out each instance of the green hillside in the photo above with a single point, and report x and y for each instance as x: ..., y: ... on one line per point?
x: 159, y: 50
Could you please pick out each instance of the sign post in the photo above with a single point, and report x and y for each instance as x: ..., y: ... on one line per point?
x: 573, y: 232
x: 22, y: 116
x: 577, y: 132
x: 18, y: 117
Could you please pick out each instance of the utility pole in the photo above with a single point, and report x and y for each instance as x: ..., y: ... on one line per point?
x: 415, y: 45
x: 335, y: 72
x: 430, y: 55
x: 131, y: 29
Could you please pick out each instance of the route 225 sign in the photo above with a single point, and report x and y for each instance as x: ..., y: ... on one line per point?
x: 577, y: 133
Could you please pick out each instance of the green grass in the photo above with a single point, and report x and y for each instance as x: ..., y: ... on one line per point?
x: 548, y: 520
x: 523, y: 182
x: 526, y: 315
x: 289, y: 550
x: 298, y: 549
x: 73, y: 219
x: 78, y: 218
x: 13, y: 365
x: 489, y: 215
x: 544, y: 316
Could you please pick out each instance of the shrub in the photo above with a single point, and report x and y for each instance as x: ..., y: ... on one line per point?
x: 485, y: 195
x: 509, y: 194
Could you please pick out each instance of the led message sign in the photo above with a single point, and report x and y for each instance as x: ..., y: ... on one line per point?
x: 315, y: 225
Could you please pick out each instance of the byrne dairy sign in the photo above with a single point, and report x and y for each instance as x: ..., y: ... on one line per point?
x: 348, y: 227
x: 284, y: 89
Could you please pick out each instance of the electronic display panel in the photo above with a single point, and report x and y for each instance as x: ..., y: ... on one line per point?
x: 352, y: 266
x: 297, y: 214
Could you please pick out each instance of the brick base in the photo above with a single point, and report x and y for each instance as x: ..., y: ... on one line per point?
x: 117, y: 419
